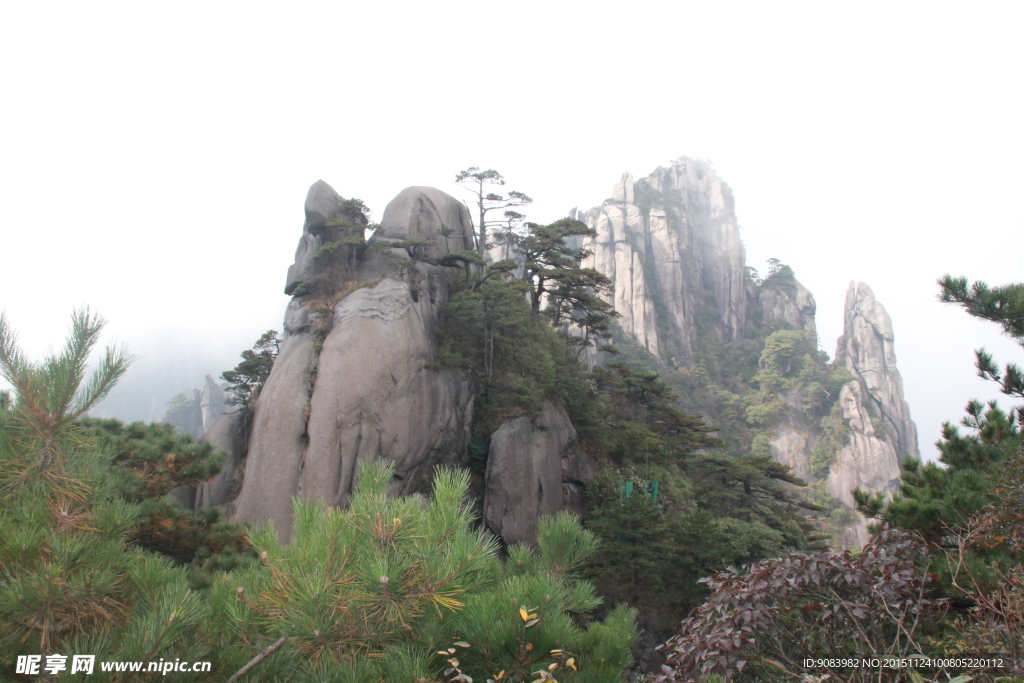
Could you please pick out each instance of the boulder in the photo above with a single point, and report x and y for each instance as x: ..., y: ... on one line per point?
x: 421, y: 213
x: 524, y: 478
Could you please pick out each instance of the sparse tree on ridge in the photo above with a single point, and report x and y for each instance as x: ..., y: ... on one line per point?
x: 475, y: 179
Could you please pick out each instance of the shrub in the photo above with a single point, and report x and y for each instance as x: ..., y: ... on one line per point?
x: 761, y: 623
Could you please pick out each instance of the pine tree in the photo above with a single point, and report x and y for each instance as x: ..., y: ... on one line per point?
x: 68, y: 582
x: 149, y: 461
x: 475, y: 179
x: 373, y: 592
x: 248, y: 377
x: 939, y: 501
x: 710, y: 509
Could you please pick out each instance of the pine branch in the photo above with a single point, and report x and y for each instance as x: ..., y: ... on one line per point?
x: 257, y: 659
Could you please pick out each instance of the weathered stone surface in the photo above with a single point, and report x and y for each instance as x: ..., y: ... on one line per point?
x: 613, y: 254
x: 375, y: 397
x: 297, y: 318
x: 623, y: 190
x: 868, y: 460
x: 866, y: 349
x: 578, y: 470
x: 796, y: 308
x: 420, y: 213
x: 368, y: 392
x: 524, y: 473
x: 322, y: 205
x: 226, y: 433
x: 881, y: 432
x: 277, y: 444
x: 673, y: 240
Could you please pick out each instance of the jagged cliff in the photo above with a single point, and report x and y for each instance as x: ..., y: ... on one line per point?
x: 881, y: 433
x: 670, y: 244
x: 356, y: 378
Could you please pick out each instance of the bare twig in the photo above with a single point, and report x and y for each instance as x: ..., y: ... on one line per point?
x: 257, y: 659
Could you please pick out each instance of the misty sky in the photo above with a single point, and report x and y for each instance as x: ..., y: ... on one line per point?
x: 154, y: 158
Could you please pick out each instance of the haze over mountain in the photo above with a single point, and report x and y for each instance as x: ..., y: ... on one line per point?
x: 155, y: 157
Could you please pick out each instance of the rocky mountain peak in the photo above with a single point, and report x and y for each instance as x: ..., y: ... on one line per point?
x: 881, y: 432
x: 866, y: 348
x: 670, y: 244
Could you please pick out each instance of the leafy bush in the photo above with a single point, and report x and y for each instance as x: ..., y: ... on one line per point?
x: 761, y: 623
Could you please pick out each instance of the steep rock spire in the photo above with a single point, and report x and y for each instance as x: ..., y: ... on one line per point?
x: 881, y: 432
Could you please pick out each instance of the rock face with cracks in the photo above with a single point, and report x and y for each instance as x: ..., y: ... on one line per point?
x: 358, y: 386
x: 525, y: 473
x: 867, y: 350
x: 881, y: 433
x: 794, y: 307
x: 322, y: 205
x: 670, y: 243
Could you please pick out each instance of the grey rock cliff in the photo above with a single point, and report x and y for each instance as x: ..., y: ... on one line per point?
x: 375, y: 396
x: 671, y: 245
x: 528, y: 461
x: 881, y: 432
x: 365, y: 389
x: 278, y: 439
x: 866, y: 349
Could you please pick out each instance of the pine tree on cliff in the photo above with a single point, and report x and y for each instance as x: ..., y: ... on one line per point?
x: 486, y: 201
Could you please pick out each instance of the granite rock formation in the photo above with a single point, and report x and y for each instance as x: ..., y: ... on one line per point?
x: 212, y: 403
x: 359, y: 385
x: 229, y: 434
x: 866, y: 349
x: 881, y: 433
x: 354, y: 376
x: 528, y: 461
x: 793, y: 307
x: 670, y: 243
